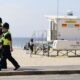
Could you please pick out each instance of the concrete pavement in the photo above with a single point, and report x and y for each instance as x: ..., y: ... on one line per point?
x: 38, y: 64
x: 39, y: 70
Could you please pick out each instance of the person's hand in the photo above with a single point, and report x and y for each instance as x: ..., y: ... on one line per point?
x: 11, y: 49
x: 0, y: 46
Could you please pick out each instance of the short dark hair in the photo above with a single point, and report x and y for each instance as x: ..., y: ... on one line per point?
x: 0, y: 20
x: 6, y: 25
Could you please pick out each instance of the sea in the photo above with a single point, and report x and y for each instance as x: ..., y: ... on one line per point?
x: 20, y: 42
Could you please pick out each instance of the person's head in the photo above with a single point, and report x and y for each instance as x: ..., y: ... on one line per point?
x: 5, y: 27
x: 0, y: 20
x: 0, y: 23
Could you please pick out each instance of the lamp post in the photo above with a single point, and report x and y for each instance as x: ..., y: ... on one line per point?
x: 57, y: 8
x: 57, y: 16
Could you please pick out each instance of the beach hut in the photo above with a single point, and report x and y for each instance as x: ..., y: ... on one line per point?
x: 64, y: 32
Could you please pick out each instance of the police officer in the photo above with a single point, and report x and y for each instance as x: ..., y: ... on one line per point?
x: 0, y: 27
x: 1, y: 44
x: 7, y: 47
x: 1, y: 50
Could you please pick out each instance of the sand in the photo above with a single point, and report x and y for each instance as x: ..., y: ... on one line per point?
x: 24, y: 59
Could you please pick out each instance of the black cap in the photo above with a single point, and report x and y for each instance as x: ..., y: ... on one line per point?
x: 6, y: 25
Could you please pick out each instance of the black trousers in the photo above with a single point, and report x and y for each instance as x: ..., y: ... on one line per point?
x: 0, y: 58
x: 7, y: 55
x: 31, y: 48
x: 0, y: 64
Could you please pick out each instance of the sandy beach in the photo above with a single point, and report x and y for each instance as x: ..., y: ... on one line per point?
x: 24, y: 59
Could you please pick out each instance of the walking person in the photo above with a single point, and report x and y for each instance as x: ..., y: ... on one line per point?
x: 31, y: 46
x: 0, y: 27
x: 1, y: 45
x: 7, y: 47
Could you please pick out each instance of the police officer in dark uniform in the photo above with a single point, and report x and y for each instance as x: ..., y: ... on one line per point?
x: 0, y: 27
x: 1, y: 44
x: 1, y: 50
x: 7, y: 47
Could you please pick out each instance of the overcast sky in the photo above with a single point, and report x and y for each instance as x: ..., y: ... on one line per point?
x: 27, y: 16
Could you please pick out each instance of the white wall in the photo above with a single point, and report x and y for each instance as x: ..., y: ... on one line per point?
x: 70, y: 32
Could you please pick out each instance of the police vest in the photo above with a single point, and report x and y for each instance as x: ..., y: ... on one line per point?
x: 5, y: 41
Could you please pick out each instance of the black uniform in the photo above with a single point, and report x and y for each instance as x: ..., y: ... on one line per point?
x: 1, y: 51
x: 7, y: 54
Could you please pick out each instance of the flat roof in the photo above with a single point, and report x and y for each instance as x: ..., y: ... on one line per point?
x: 62, y: 17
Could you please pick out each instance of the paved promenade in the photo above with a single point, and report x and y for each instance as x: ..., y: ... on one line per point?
x: 39, y: 64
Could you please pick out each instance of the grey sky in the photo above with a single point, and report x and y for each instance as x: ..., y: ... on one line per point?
x: 27, y: 16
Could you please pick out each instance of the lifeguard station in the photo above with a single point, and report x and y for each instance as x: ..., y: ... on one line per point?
x: 64, y: 33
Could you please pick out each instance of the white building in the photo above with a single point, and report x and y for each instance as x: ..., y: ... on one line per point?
x: 64, y: 31
x: 64, y: 28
